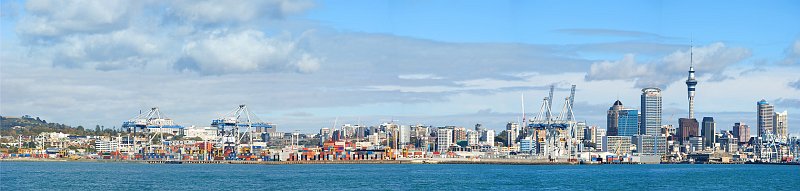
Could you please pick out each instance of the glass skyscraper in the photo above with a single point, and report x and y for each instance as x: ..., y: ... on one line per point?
x: 622, y: 121
x: 708, y: 132
x: 651, y: 112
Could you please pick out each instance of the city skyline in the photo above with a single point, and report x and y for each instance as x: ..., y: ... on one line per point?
x: 306, y: 63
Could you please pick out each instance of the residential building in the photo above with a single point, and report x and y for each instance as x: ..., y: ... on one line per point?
x: 742, y: 132
x: 472, y: 137
x: 489, y: 137
x: 781, y: 125
x: 766, y: 117
x: 512, y: 131
x: 444, y: 139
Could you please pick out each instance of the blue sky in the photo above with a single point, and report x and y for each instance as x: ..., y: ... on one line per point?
x: 302, y: 64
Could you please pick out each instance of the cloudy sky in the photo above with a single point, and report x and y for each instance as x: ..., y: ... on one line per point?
x: 302, y: 64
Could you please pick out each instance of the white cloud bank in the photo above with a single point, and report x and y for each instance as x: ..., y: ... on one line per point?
x: 216, y: 37
x: 711, y: 60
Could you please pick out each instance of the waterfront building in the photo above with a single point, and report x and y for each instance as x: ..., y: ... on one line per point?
x: 204, y: 133
x: 695, y: 144
x: 622, y: 121
x: 106, y: 145
x: 650, y: 145
x: 324, y: 135
x: 361, y: 132
x: 421, y: 133
x: 580, y: 130
x: 765, y: 118
x: 708, y: 132
x: 512, y: 131
x: 781, y: 125
x: 527, y: 145
x: 617, y: 144
x: 459, y: 134
x: 651, y: 111
x: 742, y: 132
x: 728, y: 142
x: 489, y: 134
x: 444, y: 139
x: 472, y: 137
x: 599, y: 133
x: 687, y: 128
x: 668, y: 131
x: 405, y: 134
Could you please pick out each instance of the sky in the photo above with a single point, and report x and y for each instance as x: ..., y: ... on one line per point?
x: 305, y: 65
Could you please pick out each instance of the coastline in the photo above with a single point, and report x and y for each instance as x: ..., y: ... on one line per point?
x: 412, y: 161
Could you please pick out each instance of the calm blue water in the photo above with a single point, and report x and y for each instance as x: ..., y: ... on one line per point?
x: 134, y: 176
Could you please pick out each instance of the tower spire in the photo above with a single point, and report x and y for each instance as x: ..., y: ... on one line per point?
x: 691, y: 82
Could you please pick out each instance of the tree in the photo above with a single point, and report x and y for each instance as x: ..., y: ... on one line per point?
x: 463, y: 143
x: 97, y: 130
x: 502, y: 137
x: 80, y: 128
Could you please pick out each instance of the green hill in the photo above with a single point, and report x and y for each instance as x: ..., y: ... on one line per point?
x: 30, y: 126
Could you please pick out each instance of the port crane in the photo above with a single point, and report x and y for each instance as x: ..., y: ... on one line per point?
x: 229, y: 129
x: 554, y: 135
x: 152, y: 125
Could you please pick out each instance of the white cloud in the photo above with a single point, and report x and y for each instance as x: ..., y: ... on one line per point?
x: 109, y: 51
x: 307, y: 63
x: 112, y: 35
x: 52, y: 18
x: 712, y: 60
x: 245, y: 51
x: 419, y: 77
x: 221, y: 11
x: 622, y: 69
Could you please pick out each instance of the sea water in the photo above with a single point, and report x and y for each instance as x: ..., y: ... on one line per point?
x: 139, y: 176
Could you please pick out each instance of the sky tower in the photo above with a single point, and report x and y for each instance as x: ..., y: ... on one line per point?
x: 691, y: 83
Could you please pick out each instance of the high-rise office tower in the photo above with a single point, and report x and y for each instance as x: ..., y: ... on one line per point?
x: 622, y: 121
x: 687, y: 128
x: 651, y: 112
x: 708, y: 132
x: 781, y: 125
x: 765, y: 118
x: 742, y: 132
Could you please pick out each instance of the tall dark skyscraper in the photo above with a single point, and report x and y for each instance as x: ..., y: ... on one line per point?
x: 687, y: 128
x: 708, y: 132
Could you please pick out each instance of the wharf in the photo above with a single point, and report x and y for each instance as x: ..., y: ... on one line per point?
x: 402, y: 161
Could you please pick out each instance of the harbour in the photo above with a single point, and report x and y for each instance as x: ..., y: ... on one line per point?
x: 132, y: 176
